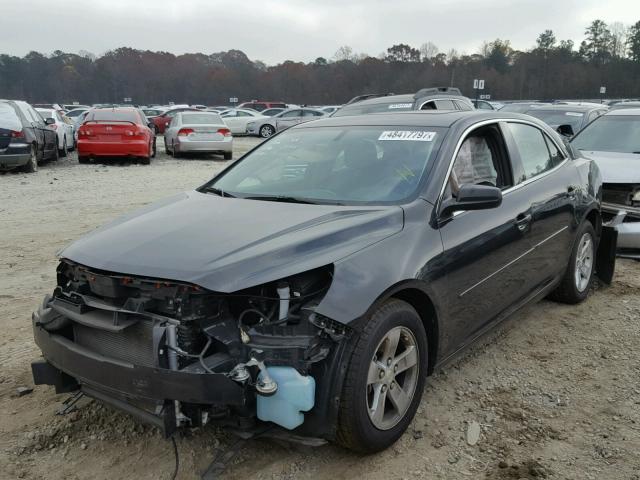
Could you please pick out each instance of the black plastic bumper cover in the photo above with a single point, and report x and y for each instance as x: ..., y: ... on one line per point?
x: 130, y: 380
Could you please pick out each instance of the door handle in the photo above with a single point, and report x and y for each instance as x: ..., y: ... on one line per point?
x: 523, y: 220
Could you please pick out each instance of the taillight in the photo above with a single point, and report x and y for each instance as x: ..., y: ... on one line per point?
x: 84, y: 133
x: 15, y: 134
x: 224, y: 131
x: 183, y: 132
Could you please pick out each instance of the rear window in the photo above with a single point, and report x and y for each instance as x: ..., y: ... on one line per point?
x: 9, y: 118
x: 555, y: 118
x: 201, y: 118
x: 113, y: 115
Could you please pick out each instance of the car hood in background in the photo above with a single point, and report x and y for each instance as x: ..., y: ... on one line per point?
x: 616, y: 167
x: 229, y: 244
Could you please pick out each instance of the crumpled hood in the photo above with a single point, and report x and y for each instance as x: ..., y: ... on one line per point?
x: 616, y: 167
x: 228, y: 244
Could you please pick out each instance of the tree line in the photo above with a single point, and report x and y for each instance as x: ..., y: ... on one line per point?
x: 608, y: 56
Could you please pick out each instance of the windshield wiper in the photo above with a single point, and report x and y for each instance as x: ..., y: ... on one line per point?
x: 280, y: 198
x: 218, y: 192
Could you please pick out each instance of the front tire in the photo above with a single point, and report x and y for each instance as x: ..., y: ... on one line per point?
x: 385, y: 379
x: 578, y: 278
x: 228, y: 155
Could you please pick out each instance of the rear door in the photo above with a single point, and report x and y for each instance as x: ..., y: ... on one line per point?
x: 546, y: 176
x: 289, y: 119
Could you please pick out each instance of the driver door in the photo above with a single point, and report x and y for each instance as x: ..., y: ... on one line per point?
x: 485, y: 269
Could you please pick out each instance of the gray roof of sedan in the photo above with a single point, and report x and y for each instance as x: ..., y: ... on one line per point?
x: 567, y: 108
x: 623, y: 111
x: 431, y: 118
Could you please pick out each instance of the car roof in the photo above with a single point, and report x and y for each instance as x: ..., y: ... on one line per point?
x: 563, y: 108
x: 624, y: 111
x: 431, y: 118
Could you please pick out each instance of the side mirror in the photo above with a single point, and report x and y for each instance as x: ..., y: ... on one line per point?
x: 565, y: 130
x: 473, y: 197
x: 50, y: 121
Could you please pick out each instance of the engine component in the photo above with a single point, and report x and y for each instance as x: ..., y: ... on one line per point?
x: 283, y: 293
x: 296, y: 394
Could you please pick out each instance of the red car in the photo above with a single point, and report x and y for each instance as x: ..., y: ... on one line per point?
x: 161, y: 122
x: 260, y: 106
x: 116, y: 132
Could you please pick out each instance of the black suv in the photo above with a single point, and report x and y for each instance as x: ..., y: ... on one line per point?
x: 439, y: 98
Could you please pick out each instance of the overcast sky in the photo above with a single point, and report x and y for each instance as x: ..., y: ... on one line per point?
x: 301, y: 30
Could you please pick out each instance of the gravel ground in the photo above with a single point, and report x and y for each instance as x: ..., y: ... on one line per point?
x: 554, y: 392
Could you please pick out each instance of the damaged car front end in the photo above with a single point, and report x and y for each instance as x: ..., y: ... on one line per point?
x: 176, y: 354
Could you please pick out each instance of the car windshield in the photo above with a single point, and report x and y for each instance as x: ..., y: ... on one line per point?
x: 201, y: 118
x: 341, y: 165
x: 113, y: 115
x: 555, y: 118
x: 611, y: 133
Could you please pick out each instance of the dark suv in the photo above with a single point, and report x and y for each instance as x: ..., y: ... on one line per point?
x: 25, y: 137
x: 439, y: 98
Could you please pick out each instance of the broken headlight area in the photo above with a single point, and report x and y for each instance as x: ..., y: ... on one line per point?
x: 186, y: 354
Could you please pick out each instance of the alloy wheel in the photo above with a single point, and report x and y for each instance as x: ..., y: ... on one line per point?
x: 584, y: 262
x: 392, y: 378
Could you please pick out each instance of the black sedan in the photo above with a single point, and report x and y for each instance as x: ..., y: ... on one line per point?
x: 25, y: 137
x: 314, y: 284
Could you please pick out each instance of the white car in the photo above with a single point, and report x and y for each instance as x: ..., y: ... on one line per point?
x: 238, y: 118
x: 270, y: 125
x: 64, y: 130
x: 198, y: 132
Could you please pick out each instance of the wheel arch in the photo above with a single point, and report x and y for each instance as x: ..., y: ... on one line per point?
x: 415, y: 294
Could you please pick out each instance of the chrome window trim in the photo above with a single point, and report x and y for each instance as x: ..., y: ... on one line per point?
x: 514, y: 187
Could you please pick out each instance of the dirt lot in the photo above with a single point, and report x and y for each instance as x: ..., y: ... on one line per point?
x: 556, y: 390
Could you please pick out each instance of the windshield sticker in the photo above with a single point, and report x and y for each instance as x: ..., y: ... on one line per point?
x: 574, y: 114
x: 407, y: 135
x: 394, y: 106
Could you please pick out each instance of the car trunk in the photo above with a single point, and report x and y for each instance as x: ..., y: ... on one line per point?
x: 112, y: 131
x: 207, y: 133
x: 5, y: 137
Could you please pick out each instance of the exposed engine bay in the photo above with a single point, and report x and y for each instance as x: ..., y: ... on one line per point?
x: 257, y: 354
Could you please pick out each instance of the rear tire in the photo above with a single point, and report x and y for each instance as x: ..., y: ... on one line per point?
x: 82, y: 159
x: 153, y: 148
x: 174, y: 150
x: 64, y: 151
x: 145, y: 160
x: 228, y: 155
x: 379, y: 400
x: 578, y: 278
x: 32, y: 165
x: 266, y: 131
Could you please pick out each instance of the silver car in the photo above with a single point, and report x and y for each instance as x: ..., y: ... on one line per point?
x: 198, y: 132
x: 613, y: 141
x: 268, y: 126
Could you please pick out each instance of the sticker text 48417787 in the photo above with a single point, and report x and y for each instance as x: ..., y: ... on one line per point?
x: 407, y: 135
